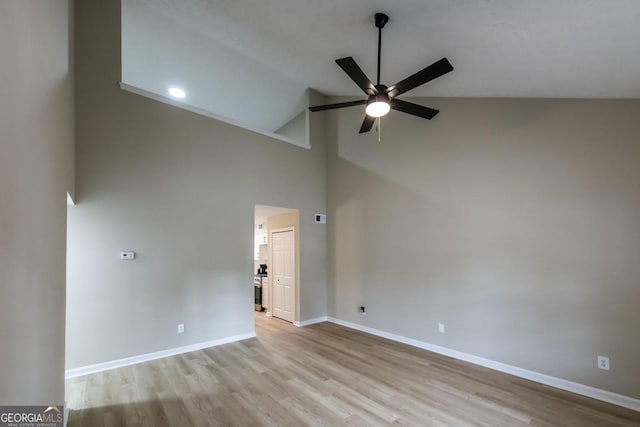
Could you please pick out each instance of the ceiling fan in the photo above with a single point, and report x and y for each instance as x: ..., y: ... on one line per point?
x: 383, y: 98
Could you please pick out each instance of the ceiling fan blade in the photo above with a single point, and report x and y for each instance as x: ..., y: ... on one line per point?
x: 414, y: 109
x: 338, y: 105
x: 367, y: 124
x: 357, y: 75
x: 423, y: 76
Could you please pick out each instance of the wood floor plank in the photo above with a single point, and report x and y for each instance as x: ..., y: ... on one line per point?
x: 324, y: 375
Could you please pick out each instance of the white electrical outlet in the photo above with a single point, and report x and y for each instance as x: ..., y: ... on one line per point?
x: 441, y: 328
x: 603, y: 363
x: 181, y: 328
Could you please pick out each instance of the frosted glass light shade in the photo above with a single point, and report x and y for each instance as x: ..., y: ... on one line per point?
x: 378, y: 108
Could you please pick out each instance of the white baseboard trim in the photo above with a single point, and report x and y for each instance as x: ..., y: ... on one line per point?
x: 310, y: 321
x: 105, y: 366
x: 595, y: 393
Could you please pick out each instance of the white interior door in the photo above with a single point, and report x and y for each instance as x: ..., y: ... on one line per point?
x: 283, y: 274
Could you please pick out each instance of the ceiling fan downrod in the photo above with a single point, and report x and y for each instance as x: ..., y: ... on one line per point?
x: 381, y: 20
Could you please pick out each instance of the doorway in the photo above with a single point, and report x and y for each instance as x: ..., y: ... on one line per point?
x: 277, y: 228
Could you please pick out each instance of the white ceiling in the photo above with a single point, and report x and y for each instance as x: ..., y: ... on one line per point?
x: 499, y: 48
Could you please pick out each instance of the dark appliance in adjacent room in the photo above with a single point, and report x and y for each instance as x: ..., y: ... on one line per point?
x: 257, y: 287
x: 262, y: 271
x: 257, y: 293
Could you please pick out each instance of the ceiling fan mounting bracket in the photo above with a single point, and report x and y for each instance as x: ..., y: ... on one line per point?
x: 381, y: 20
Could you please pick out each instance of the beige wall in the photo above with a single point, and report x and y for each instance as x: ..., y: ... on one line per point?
x: 514, y: 222
x: 36, y: 171
x: 180, y: 190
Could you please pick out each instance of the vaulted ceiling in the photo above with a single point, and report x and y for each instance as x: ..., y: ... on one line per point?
x: 255, y: 58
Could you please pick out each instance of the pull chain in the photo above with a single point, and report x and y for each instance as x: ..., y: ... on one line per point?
x: 379, y: 129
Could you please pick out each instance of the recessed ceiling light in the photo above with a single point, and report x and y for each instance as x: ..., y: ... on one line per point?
x: 176, y: 92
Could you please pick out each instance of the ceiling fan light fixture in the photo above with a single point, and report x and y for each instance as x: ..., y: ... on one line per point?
x: 380, y: 98
x: 378, y: 106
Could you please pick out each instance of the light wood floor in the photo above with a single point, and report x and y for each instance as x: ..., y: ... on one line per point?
x: 327, y: 375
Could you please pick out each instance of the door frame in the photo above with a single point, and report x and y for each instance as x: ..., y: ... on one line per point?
x: 295, y: 271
